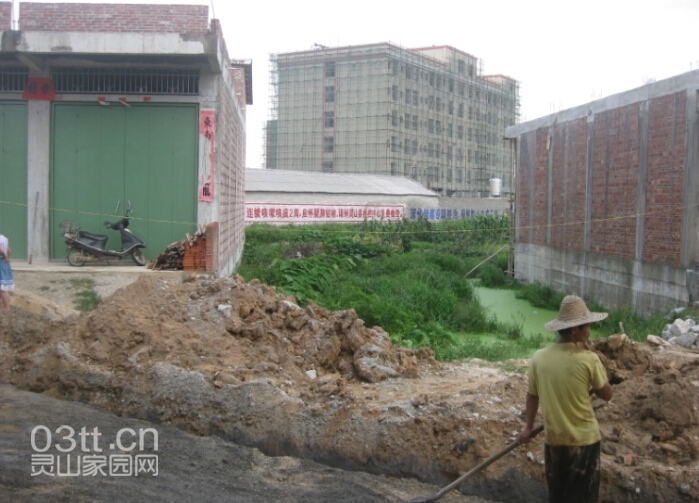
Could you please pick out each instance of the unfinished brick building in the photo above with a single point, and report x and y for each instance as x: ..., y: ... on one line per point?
x: 608, y: 197
x: 105, y: 106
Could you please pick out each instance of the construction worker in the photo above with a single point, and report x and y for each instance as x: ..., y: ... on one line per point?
x: 562, y: 378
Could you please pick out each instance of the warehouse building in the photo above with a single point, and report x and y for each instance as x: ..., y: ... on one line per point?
x: 608, y: 197
x: 428, y: 114
x: 110, y: 106
x: 296, y: 197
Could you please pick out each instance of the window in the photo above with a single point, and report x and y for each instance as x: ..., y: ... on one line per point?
x: 328, y: 144
x: 470, y: 135
x: 460, y: 88
x: 406, y: 147
x: 450, y: 108
x: 408, y: 92
x: 330, y: 69
x: 394, y: 168
x: 461, y: 66
x: 450, y: 152
x: 395, y: 146
x: 450, y: 130
x: 430, y: 125
x: 459, y: 176
x: 406, y: 169
x: 460, y: 111
x: 414, y: 152
x: 439, y: 104
x: 448, y: 174
x: 408, y: 72
x: 327, y: 167
x: 394, y: 118
x: 460, y: 132
x: 430, y: 150
x: 451, y: 85
x: 394, y: 93
x: 432, y: 79
x: 416, y: 98
x: 414, y: 122
x: 330, y: 94
x: 459, y: 154
x: 329, y: 119
x: 439, y: 127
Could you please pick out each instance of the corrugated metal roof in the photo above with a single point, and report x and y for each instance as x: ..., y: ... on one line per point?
x: 276, y: 180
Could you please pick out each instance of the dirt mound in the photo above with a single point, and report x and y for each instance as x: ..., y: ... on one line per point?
x: 240, y: 361
x: 622, y: 358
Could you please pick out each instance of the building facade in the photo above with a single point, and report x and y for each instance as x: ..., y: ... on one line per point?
x: 607, y: 200
x: 106, y: 106
x: 427, y: 114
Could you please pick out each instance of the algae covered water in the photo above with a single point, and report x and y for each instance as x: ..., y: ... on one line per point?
x: 508, y: 309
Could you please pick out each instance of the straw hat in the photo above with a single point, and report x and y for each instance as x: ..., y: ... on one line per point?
x: 573, y: 313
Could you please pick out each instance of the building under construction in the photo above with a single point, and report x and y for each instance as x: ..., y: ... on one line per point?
x: 427, y: 114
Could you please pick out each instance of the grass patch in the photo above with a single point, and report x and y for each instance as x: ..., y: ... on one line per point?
x: 85, y: 298
x: 409, y: 277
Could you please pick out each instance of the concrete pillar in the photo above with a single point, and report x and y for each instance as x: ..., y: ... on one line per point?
x: 38, y: 164
x: 689, y: 251
x: 208, y: 100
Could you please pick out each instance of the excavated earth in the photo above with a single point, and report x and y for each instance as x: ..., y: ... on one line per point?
x: 238, y: 361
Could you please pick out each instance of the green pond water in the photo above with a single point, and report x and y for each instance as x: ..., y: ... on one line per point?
x: 508, y: 309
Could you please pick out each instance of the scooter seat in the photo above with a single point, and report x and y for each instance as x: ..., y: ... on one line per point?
x: 96, y: 237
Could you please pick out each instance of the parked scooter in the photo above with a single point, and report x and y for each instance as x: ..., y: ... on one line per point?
x: 86, y: 247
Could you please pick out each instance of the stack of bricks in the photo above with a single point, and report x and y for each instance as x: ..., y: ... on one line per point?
x: 195, y: 255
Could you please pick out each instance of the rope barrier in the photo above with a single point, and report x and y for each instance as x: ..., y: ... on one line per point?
x: 436, y: 231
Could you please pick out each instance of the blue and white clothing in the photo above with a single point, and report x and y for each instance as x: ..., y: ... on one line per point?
x: 7, y: 283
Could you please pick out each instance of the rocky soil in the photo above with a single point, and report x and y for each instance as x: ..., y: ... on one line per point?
x: 236, y: 360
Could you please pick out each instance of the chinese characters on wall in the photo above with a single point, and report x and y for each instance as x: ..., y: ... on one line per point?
x: 207, y: 141
x: 318, y: 213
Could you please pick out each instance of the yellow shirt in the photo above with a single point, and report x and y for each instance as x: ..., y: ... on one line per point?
x: 561, y: 375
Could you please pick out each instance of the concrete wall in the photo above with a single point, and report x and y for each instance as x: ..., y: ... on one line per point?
x: 607, y: 196
x: 114, y: 18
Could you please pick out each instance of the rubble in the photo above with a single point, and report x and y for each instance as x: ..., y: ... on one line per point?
x: 684, y: 333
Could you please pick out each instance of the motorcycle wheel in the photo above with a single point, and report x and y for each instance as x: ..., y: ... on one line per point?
x: 76, y: 258
x: 138, y: 257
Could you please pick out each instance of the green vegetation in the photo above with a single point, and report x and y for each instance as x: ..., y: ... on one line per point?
x: 409, y: 277
x: 85, y: 297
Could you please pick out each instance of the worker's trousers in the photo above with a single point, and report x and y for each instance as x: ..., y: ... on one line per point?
x: 573, y: 473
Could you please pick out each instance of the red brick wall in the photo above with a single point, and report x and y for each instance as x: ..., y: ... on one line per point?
x: 614, y: 197
x: 568, y: 212
x: 615, y: 182
x: 192, y: 19
x: 664, y: 193
x: 5, y: 16
x: 525, y: 180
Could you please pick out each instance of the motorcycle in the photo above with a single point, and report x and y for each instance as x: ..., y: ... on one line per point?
x: 87, y: 247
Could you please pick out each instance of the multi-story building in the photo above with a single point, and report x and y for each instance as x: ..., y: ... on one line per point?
x: 427, y: 114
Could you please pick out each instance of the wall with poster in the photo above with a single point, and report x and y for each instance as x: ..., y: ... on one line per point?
x: 282, y: 213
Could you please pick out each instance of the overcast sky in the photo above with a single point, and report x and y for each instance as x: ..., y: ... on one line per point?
x: 564, y: 53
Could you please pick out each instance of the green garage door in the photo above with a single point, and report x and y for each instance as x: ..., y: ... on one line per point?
x: 13, y: 176
x: 105, y: 156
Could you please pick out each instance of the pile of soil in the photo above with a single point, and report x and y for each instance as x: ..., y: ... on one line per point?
x: 238, y: 360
